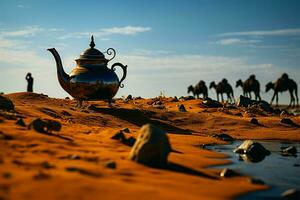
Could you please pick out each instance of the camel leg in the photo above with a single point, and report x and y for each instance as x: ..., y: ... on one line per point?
x: 297, y: 97
x: 222, y: 97
x: 277, y: 99
x: 272, y: 98
x: 250, y: 95
x: 217, y: 96
x: 292, y: 102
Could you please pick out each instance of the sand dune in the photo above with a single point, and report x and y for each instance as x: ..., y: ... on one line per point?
x: 83, y: 162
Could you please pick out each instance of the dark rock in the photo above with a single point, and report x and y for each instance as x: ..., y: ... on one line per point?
x: 65, y: 113
x: 129, y: 97
x: 263, y: 105
x: 292, y: 150
x: 6, y: 104
x: 257, y: 181
x: 152, y: 147
x: 296, y: 165
x: 252, y: 151
x: 182, y: 98
x: 291, y: 194
x: 254, y: 121
x: 228, y: 173
x: 210, y: 103
x: 92, y: 107
x: 83, y: 171
x: 175, y: 99
x: 288, y: 121
x: 243, y: 101
x: 7, y: 175
x: 126, y: 130
x: 67, y: 98
x: 118, y: 136
x: 41, y: 176
x: 43, y: 126
x: 181, y: 108
x: 111, y: 164
x: 238, y: 114
x: 4, y: 136
x: 21, y: 122
x: 129, y: 141
x: 47, y: 165
x: 224, y: 137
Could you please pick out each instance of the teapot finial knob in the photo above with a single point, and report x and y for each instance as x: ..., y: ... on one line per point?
x: 92, y: 44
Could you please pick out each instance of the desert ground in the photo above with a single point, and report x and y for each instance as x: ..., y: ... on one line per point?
x: 82, y: 161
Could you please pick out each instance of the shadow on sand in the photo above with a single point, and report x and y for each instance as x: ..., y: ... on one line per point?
x: 139, y: 118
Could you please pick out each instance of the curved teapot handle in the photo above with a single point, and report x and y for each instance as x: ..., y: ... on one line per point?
x: 124, y: 68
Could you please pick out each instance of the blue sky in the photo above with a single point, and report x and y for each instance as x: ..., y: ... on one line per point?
x: 167, y: 45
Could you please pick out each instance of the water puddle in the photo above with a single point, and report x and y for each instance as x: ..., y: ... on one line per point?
x: 278, y: 171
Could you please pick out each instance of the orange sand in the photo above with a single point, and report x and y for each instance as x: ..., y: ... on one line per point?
x: 33, y: 165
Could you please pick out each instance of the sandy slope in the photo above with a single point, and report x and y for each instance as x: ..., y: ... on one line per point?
x: 39, y: 166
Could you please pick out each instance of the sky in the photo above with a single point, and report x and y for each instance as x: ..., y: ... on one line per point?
x: 167, y: 45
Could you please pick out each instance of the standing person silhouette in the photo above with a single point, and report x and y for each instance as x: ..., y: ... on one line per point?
x: 30, y: 82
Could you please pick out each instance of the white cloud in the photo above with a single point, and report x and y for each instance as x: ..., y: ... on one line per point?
x: 277, y: 32
x: 27, y: 31
x: 127, y: 30
x: 236, y: 41
x: 23, y: 6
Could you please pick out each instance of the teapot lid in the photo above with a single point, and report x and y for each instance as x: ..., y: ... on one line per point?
x: 91, y: 53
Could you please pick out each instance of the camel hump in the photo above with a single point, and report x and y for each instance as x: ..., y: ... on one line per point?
x: 252, y: 76
x: 284, y: 76
x: 201, y: 82
x: 224, y: 80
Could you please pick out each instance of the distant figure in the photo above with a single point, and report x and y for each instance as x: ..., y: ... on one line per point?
x: 282, y: 84
x: 30, y: 82
x: 200, y: 88
x: 250, y: 85
x: 223, y: 87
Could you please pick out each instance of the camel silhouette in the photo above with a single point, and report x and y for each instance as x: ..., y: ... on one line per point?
x: 250, y: 85
x: 284, y: 83
x: 200, y: 88
x: 223, y: 87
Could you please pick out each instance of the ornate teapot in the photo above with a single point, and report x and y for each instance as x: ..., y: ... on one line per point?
x: 91, y: 79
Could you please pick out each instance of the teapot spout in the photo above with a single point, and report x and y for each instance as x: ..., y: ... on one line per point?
x: 63, y: 77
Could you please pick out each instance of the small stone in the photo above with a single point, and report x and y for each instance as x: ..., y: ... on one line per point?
x: 4, y: 136
x: 243, y: 101
x: 38, y: 125
x: 111, y: 164
x: 291, y: 194
x: 257, y: 181
x: 228, y: 173
x: 152, y: 147
x: 44, y: 126
x: 67, y: 98
x: 118, y: 136
x: 41, y: 176
x: 7, y: 175
x: 284, y: 113
x: 287, y: 121
x: 253, y: 151
x: 129, y: 97
x: 47, y: 165
x: 129, y: 142
x: 6, y: 104
x: 210, y: 103
x: 254, y: 121
x: 181, y: 108
x: 224, y: 137
x: 296, y: 165
x: 292, y: 150
x: 126, y: 130
x: 21, y: 122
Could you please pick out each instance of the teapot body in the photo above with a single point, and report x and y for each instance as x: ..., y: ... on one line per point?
x: 93, y: 82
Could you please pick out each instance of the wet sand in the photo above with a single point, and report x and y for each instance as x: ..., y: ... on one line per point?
x: 77, y: 162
